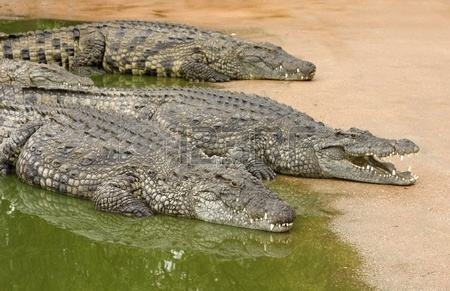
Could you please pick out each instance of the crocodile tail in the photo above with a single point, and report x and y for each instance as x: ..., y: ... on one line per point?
x: 53, y: 46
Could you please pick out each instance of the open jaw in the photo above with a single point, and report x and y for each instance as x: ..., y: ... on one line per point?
x: 383, y: 172
x: 372, y: 168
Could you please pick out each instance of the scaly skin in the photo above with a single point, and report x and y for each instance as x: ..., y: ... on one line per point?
x: 264, y: 135
x: 133, y: 168
x: 158, y: 233
x: 33, y: 74
x: 258, y: 131
x: 159, y: 49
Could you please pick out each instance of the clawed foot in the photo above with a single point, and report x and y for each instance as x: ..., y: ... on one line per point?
x: 87, y: 71
x: 5, y: 166
x: 219, y: 78
x: 261, y: 171
x: 136, y: 209
x: 5, y: 169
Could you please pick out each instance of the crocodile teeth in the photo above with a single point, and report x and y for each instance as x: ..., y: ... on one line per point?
x: 272, y: 226
x: 298, y: 70
x: 286, y: 75
x: 301, y: 77
x: 265, y: 215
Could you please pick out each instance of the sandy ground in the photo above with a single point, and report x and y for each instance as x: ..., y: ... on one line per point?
x: 383, y: 66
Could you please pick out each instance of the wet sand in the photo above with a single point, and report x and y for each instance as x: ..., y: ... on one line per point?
x: 382, y: 66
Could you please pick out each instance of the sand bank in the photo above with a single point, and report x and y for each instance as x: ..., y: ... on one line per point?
x: 382, y: 66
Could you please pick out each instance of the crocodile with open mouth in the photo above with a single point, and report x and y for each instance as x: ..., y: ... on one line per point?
x: 265, y: 135
x: 270, y: 136
x: 133, y: 168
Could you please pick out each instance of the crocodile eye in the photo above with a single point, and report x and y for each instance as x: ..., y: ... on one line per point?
x: 86, y: 161
x: 253, y: 59
x: 56, y: 164
x: 234, y: 184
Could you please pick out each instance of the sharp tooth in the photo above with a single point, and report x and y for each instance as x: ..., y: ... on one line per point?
x: 251, y: 220
x: 265, y: 215
x: 281, y: 67
x: 301, y: 78
x: 286, y: 75
x: 272, y: 226
x: 298, y: 70
x: 393, y: 172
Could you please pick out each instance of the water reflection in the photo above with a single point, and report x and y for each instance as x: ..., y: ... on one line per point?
x: 52, y: 242
x: 49, y: 241
x: 179, y: 236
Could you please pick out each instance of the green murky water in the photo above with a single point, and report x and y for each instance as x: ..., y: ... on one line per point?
x: 52, y: 242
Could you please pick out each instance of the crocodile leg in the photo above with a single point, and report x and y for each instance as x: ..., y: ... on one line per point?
x: 255, y: 166
x: 197, y: 71
x: 89, y: 56
x: 11, y: 146
x: 112, y: 197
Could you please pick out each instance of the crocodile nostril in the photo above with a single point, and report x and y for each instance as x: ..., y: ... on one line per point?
x: 310, y: 67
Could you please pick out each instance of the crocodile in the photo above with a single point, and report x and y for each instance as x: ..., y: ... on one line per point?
x: 264, y: 135
x: 155, y: 48
x: 17, y: 72
x: 270, y: 136
x: 133, y: 168
x: 161, y: 233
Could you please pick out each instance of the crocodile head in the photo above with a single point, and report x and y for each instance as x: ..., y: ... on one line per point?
x: 267, y: 61
x: 357, y: 155
x: 33, y: 74
x: 239, y: 59
x: 223, y: 195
